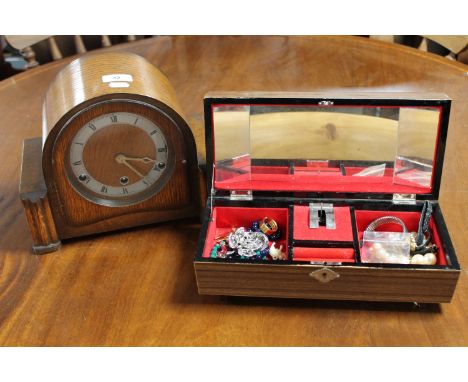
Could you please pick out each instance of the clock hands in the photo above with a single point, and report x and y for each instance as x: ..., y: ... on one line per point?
x: 133, y: 169
x: 143, y: 160
x: 122, y: 159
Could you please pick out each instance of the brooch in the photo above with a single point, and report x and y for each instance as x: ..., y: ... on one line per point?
x: 251, y: 243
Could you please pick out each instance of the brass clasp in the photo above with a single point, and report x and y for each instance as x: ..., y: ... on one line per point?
x: 324, y: 275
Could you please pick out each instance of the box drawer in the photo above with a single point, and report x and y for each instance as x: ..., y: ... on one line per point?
x: 326, y: 282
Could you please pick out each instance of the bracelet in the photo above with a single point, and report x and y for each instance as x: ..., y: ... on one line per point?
x: 386, y: 220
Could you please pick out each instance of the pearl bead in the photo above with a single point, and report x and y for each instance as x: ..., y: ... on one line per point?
x: 379, y: 257
x: 404, y: 259
x: 418, y: 259
x: 430, y: 258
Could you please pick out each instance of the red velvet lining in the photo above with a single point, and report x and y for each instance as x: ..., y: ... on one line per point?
x: 343, y: 231
x: 281, y: 180
x: 350, y: 171
x: 270, y: 170
x: 411, y: 220
x: 345, y: 255
x: 441, y: 259
x: 224, y: 219
x: 314, y: 170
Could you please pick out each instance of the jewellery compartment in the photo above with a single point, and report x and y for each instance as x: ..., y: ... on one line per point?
x: 311, y: 194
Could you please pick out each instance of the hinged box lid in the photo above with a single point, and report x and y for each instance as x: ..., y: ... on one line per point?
x: 383, y: 144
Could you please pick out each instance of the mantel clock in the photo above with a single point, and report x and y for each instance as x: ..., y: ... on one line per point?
x: 115, y: 153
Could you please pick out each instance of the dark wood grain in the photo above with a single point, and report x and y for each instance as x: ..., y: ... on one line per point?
x: 351, y: 283
x: 78, y: 216
x: 138, y: 287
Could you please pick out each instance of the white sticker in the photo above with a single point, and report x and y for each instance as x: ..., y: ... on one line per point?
x: 117, y: 78
x: 119, y: 84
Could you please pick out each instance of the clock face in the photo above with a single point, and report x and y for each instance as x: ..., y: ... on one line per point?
x: 119, y: 158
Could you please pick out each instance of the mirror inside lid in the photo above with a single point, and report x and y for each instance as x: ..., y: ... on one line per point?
x: 367, y: 143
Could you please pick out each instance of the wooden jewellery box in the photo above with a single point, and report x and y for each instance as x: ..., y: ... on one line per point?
x: 321, y: 168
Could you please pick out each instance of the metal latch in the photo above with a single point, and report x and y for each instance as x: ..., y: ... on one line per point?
x: 240, y: 195
x: 321, y: 214
x: 404, y: 198
x: 324, y: 275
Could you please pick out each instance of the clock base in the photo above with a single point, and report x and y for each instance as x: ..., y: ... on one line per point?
x: 39, y: 206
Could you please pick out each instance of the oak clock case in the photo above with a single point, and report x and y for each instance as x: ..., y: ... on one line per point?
x: 116, y: 152
x: 299, y: 184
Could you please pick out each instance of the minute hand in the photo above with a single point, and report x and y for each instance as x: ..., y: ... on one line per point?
x: 143, y: 160
x: 132, y: 168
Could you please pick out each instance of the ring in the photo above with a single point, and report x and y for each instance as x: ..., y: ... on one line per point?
x: 386, y: 220
x: 268, y: 226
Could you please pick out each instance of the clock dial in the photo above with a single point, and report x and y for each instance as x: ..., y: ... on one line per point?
x: 119, y: 158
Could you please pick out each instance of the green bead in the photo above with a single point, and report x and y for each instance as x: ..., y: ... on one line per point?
x: 214, y: 252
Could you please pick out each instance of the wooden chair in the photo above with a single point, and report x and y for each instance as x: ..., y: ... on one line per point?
x: 38, y: 50
x: 453, y: 47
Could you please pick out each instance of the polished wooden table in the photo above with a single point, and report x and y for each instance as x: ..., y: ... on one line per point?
x: 138, y: 287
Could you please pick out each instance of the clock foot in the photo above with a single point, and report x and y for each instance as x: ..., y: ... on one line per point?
x: 33, y: 194
x: 41, y: 249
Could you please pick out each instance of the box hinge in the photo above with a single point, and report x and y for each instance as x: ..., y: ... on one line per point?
x: 241, y: 195
x: 326, y: 103
x: 404, y: 198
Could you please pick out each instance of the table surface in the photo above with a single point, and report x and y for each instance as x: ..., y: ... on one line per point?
x: 138, y: 287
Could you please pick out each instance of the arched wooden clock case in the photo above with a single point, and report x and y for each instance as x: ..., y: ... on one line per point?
x: 116, y: 152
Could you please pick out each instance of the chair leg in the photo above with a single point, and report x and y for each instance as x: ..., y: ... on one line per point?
x: 79, y: 44
x: 106, y: 42
x: 54, y: 49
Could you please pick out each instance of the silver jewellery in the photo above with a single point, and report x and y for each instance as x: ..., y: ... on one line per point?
x: 254, y: 242
x: 402, y: 247
x: 247, y: 242
x: 386, y: 220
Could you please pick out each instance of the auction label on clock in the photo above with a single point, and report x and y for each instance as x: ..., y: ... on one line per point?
x: 117, y: 78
